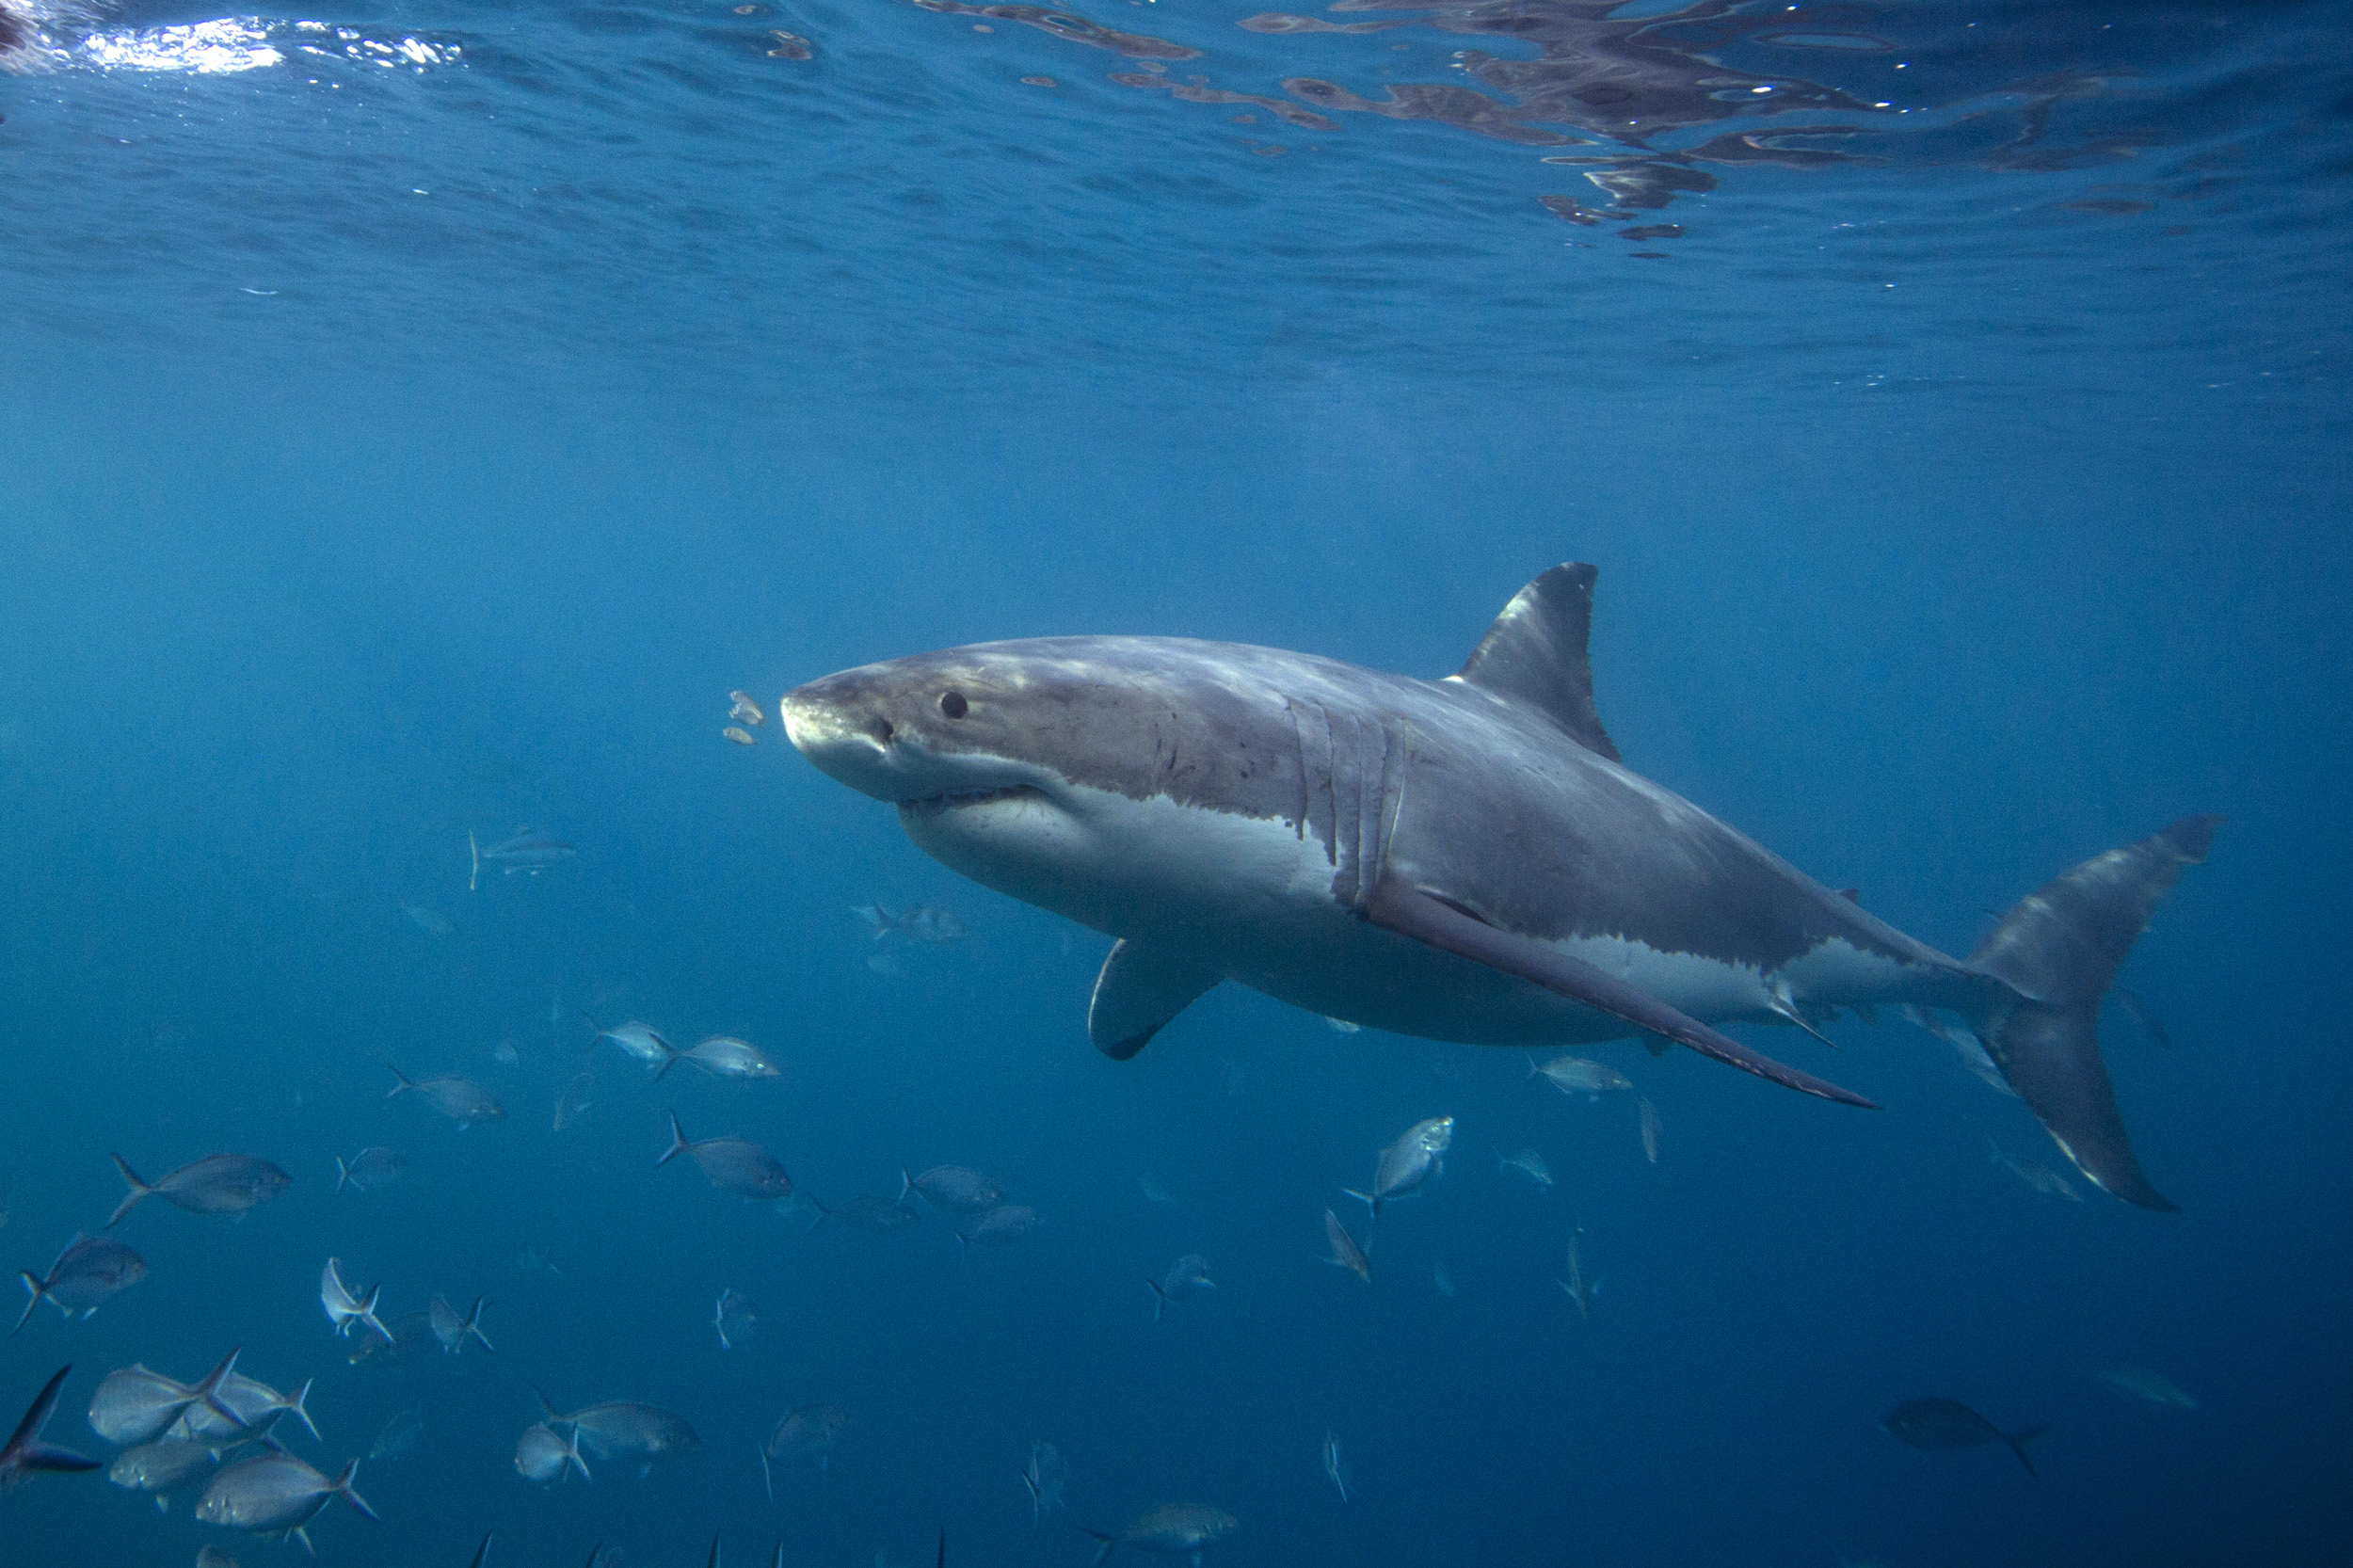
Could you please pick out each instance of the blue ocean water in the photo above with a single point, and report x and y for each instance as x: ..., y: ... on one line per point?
x: 415, y: 421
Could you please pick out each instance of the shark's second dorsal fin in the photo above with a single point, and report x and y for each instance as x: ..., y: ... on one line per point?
x: 1535, y: 654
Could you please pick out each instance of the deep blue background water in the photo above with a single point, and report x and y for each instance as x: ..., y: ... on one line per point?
x: 1961, y: 510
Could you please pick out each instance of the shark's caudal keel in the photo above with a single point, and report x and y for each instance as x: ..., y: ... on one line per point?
x: 1462, y: 859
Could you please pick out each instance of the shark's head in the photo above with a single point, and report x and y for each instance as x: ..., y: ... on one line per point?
x: 937, y: 732
x: 1072, y: 773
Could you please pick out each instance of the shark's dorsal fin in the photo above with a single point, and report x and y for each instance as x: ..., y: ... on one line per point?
x: 1535, y: 654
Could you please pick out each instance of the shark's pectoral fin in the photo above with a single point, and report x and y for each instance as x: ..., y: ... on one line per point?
x: 1139, y: 991
x: 1409, y: 912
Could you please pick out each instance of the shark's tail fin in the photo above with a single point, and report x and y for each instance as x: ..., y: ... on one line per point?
x: 2057, y: 952
x: 2018, y: 1441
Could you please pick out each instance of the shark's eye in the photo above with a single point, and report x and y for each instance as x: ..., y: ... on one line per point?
x: 953, y: 704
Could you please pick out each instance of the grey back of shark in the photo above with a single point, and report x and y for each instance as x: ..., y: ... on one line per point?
x: 1462, y: 859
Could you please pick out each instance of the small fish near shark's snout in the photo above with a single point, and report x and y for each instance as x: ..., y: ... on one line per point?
x: 1463, y: 859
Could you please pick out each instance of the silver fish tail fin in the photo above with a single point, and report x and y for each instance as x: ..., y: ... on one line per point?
x: 367, y: 1315
x: 341, y: 1488
x: 1159, y: 1299
x: 482, y: 1553
x: 34, y: 1290
x: 2018, y: 1441
x: 571, y: 1455
x: 2056, y: 954
x: 208, y: 1392
x: 474, y: 1326
x: 767, y: 1480
x: 342, y: 1175
x: 25, y: 1450
x: 1370, y: 1200
x: 131, y: 1199
x: 677, y: 1144
x: 474, y: 850
x: 295, y: 1407
x: 400, y: 1088
x: 547, y: 1411
x: 1103, y: 1545
x: 670, y: 1055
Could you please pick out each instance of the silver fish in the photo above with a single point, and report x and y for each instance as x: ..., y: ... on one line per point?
x: 343, y: 1309
x: 919, y: 924
x: 1574, y: 1284
x: 624, y: 1429
x: 740, y: 736
x: 527, y: 850
x: 733, y: 1165
x: 26, y: 1455
x: 871, y: 1212
x: 275, y: 1493
x: 1186, y: 1278
x: 575, y: 1100
x: 426, y: 919
x: 371, y: 1170
x: 90, y: 1269
x: 1172, y: 1529
x: 1156, y: 1190
x: 462, y: 1100
x: 454, y: 1331
x: 724, y: 1056
x: 217, y: 1184
x: 399, y: 1435
x: 735, y: 1316
x: 639, y: 1040
x: 2034, y: 1175
x: 745, y: 710
x: 504, y: 1054
x: 1649, y: 1115
x: 1409, y: 1163
x: 1528, y: 1164
x: 1045, y: 1477
x: 1001, y: 1227
x: 252, y: 1408
x: 1346, y: 1253
x: 213, y: 1557
x: 135, y: 1405
x: 1577, y: 1075
x: 541, y: 1456
x: 2150, y: 1387
x: 410, y: 1331
x: 952, y: 1189
x: 808, y: 1432
x: 161, y: 1467
x: 1334, y: 1466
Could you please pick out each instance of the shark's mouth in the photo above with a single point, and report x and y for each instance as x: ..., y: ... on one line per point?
x: 950, y: 800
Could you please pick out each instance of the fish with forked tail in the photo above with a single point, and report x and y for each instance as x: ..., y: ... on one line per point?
x: 1942, y: 1424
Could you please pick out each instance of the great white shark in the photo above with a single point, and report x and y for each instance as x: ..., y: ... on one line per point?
x: 1466, y: 859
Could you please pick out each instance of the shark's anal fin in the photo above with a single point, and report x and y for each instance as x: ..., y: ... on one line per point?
x: 1411, y: 913
x: 1140, y: 990
x: 1535, y: 655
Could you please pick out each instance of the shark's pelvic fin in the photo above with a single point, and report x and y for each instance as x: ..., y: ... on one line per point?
x: 1535, y: 654
x: 2057, y: 952
x: 1424, y: 918
x: 1139, y: 991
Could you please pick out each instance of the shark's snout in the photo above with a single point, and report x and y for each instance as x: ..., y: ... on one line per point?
x: 845, y: 734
